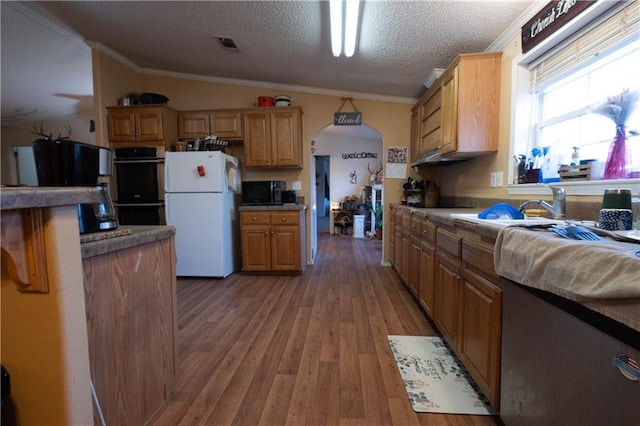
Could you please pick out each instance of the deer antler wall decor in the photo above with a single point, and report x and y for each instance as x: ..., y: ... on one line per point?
x: 40, y: 132
x: 375, y: 177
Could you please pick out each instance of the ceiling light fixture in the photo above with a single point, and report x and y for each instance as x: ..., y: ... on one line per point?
x: 347, y: 26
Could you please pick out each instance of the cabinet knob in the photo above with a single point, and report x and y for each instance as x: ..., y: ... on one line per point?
x: 266, y: 232
x: 255, y: 218
x: 284, y: 219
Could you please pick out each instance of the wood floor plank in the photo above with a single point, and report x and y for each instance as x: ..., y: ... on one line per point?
x: 374, y: 392
x: 351, y: 397
x: 278, y: 400
x: 301, y: 350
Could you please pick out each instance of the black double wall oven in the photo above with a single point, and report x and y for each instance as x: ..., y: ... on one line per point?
x: 140, y: 185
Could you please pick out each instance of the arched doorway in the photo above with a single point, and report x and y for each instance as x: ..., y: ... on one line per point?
x: 342, y: 159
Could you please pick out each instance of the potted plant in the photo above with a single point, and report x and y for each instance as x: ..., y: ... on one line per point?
x: 378, y: 223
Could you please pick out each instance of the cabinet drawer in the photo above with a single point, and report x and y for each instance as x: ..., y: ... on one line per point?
x: 405, y: 221
x: 449, y: 242
x: 479, y: 256
x: 428, y: 231
x: 285, y: 218
x: 430, y: 105
x: 431, y: 123
x: 254, y: 218
x: 415, y: 227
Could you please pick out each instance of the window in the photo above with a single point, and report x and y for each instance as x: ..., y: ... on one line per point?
x: 555, y: 86
x: 564, y: 120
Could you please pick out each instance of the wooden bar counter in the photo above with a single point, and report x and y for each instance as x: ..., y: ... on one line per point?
x: 71, y: 314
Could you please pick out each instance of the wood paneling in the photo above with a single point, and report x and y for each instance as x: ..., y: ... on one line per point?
x: 131, y: 325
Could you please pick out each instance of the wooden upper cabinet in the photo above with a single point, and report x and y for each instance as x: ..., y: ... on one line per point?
x: 430, y: 122
x: 193, y: 124
x: 286, y: 138
x: 459, y: 113
x: 273, y: 137
x: 144, y: 123
x: 448, y: 112
x: 472, y: 92
x: 257, y: 139
x: 225, y: 124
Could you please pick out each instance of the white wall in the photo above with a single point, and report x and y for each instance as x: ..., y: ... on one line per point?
x: 340, y: 170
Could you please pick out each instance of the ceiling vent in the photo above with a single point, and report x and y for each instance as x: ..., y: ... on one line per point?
x: 228, y: 43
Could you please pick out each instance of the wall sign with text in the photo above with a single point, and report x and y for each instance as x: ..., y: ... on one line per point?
x: 550, y: 19
x: 347, y: 118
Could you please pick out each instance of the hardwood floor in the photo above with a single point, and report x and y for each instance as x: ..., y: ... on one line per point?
x: 299, y: 350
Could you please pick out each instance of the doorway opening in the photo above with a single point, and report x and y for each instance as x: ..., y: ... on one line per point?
x: 323, y: 193
x: 344, y: 158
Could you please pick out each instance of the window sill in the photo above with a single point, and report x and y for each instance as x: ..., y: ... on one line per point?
x: 594, y: 187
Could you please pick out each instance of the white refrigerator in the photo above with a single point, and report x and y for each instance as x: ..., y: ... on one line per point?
x: 200, y: 202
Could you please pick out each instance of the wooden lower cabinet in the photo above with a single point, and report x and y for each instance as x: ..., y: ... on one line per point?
x: 427, y: 278
x: 447, y: 298
x: 401, y: 246
x: 273, y: 240
x: 413, y: 276
x: 480, y: 332
x: 415, y: 248
x: 450, y: 269
x: 130, y: 300
x: 426, y: 282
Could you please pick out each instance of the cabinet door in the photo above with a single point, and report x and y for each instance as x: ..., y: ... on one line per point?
x: 430, y: 123
x: 122, y: 126
x: 257, y: 139
x: 413, y: 275
x: 447, y: 297
x: 256, y: 248
x: 415, y: 133
x: 193, y: 125
x: 449, y: 113
x: 285, y: 248
x: 397, y: 250
x: 405, y: 246
x: 480, y: 333
x: 226, y: 124
x: 285, y: 139
x: 149, y: 125
x: 426, y: 288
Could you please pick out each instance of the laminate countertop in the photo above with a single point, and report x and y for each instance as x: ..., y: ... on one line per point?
x: 27, y: 197
x: 294, y: 207
x: 125, y: 236
x: 601, y: 275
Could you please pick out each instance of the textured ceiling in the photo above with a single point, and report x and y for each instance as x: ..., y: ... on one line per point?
x: 285, y: 42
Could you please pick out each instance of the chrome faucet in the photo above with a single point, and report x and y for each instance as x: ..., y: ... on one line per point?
x: 558, y: 209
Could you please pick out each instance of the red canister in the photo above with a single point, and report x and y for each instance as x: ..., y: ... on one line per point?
x: 264, y: 101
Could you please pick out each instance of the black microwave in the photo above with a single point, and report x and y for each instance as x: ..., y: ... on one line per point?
x: 264, y: 192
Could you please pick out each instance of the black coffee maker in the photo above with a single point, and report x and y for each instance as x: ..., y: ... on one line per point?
x: 62, y: 162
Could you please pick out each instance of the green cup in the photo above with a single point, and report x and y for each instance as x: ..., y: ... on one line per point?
x: 616, y: 199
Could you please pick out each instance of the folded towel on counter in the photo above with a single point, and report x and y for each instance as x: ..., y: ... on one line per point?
x: 574, y: 269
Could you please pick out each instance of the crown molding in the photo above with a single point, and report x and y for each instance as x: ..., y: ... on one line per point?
x: 283, y: 87
x: 514, y: 29
x: 250, y: 83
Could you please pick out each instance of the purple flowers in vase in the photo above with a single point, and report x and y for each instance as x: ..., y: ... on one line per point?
x: 618, y: 108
